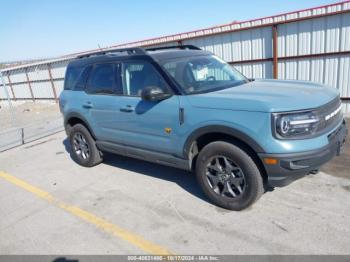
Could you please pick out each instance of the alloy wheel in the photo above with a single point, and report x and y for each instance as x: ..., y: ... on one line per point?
x: 225, y: 177
x: 80, y: 145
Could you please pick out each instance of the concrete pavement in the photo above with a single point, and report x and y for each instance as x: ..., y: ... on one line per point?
x: 161, y: 205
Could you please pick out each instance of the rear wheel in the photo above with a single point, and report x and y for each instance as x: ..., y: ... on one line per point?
x: 83, y: 147
x: 228, y: 176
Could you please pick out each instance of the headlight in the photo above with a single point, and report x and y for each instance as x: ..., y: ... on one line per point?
x: 295, y: 125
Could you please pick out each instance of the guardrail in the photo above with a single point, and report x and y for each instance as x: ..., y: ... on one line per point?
x: 17, y: 136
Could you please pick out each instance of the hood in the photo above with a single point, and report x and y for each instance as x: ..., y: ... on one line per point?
x: 267, y: 96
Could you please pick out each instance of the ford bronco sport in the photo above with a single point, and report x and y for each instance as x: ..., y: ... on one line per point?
x: 184, y: 107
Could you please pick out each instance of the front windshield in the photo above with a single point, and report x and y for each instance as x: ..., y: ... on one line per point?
x: 201, y: 74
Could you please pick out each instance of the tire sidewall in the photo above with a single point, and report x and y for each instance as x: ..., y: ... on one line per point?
x: 244, y: 161
x: 91, y: 144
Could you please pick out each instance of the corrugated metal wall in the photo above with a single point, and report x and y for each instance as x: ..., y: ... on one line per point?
x: 326, y: 35
x: 312, y: 45
x: 254, y: 44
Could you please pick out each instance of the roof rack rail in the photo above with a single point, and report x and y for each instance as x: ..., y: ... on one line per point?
x: 190, y: 47
x: 132, y: 50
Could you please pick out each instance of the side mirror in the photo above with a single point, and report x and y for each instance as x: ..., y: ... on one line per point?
x: 154, y: 93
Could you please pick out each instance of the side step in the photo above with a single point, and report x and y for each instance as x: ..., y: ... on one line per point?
x: 143, y: 154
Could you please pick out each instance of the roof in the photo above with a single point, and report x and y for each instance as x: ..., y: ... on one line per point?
x: 157, y: 55
x: 331, y: 9
x: 175, y: 53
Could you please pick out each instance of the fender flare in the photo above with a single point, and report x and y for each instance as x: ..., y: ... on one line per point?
x: 82, y: 118
x: 224, y: 130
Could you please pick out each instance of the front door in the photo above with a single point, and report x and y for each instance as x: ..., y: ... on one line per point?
x: 145, y: 124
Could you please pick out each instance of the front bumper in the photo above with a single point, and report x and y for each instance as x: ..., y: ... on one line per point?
x: 290, y: 167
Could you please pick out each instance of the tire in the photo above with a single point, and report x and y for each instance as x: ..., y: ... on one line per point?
x: 83, y: 147
x: 235, y: 183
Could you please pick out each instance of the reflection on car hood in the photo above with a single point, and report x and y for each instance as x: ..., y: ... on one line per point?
x: 267, y: 96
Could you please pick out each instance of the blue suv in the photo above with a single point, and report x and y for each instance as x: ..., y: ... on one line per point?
x: 184, y: 107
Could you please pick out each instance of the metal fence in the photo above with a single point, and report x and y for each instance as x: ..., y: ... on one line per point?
x: 39, y: 81
x: 26, y: 121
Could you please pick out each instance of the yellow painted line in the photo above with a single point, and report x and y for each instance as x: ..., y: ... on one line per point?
x: 100, y: 223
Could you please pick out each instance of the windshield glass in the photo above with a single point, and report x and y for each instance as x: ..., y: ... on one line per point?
x: 201, y: 74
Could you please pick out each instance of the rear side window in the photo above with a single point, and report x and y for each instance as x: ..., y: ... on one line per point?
x: 81, y: 82
x: 103, y: 80
x: 72, y: 76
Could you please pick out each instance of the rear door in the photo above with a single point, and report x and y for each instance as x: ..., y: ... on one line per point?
x: 103, y: 99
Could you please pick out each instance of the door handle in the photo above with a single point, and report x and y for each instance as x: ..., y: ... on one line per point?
x: 127, y: 109
x: 88, y: 105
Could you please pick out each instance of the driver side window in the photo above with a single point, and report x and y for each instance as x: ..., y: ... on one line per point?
x: 139, y: 75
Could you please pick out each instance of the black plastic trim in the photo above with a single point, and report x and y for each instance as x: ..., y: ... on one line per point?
x: 190, y: 47
x: 224, y: 130
x: 80, y: 117
x: 181, y: 115
x: 130, y: 51
x: 143, y: 154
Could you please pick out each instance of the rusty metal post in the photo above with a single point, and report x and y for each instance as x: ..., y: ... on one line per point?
x: 29, y: 85
x: 11, y: 87
x: 12, y: 111
x: 52, y: 83
x: 275, y: 51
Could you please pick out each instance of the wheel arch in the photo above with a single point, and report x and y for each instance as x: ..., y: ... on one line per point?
x: 219, y: 129
x: 204, y: 135
x: 76, y: 118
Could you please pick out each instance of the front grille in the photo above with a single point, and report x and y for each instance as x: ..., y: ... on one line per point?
x: 330, y: 115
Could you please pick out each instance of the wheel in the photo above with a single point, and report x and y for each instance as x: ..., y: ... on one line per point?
x: 83, y: 147
x: 228, y: 176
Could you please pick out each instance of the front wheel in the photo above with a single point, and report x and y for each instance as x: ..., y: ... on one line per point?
x: 83, y: 147
x: 228, y: 176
